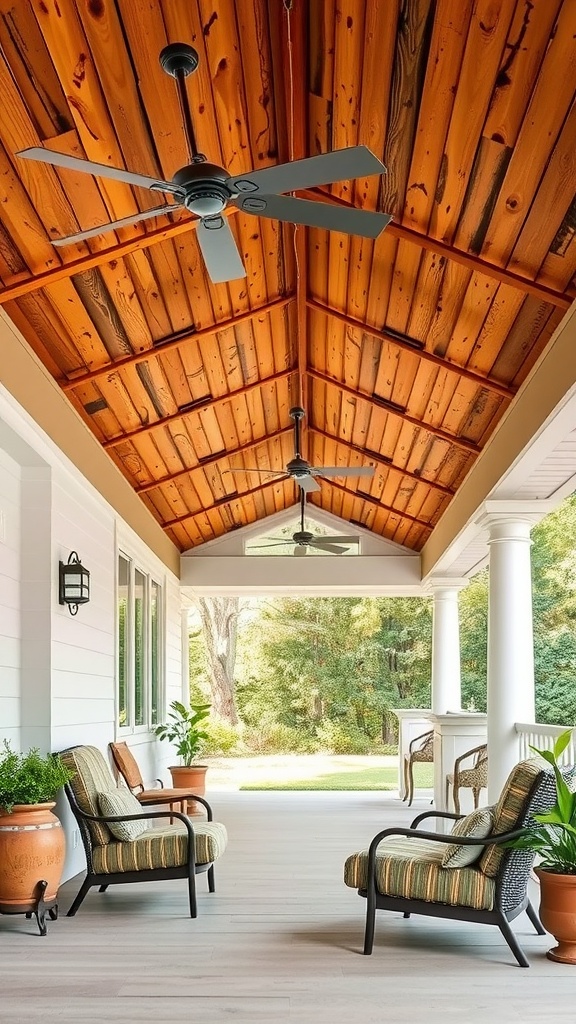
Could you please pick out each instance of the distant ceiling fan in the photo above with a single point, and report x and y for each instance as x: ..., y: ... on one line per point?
x: 206, y: 189
x: 304, y: 540
x: 300, y: 470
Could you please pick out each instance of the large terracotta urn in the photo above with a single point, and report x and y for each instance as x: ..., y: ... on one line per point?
x: 558, y: 913
x: 32, y: 849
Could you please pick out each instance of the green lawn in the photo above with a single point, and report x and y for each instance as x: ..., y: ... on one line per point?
x: 365, y: 779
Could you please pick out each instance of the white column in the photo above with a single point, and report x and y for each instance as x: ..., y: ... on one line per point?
x: 510, y: 690
x: 446, y: 694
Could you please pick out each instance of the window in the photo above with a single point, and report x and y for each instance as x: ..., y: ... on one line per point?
x: 140, y: 647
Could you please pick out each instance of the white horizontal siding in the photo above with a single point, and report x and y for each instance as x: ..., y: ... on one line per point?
x: 10, y: 537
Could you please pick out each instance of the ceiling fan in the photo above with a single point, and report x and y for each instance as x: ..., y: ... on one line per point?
x: 206, y: 190
x: 304, y: 540
x: 300, y: 470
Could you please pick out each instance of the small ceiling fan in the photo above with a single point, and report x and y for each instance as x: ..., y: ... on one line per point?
x: 300, y: 470
x: 304, y: 540
x: 206, y: 190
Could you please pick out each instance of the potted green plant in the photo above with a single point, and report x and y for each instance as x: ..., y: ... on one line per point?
x: 554, y: 840
x: 183, y: 729
x: 32, y: 845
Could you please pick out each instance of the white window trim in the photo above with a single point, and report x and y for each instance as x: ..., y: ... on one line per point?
x: 150, y: 576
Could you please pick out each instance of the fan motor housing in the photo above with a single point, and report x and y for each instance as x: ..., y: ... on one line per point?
x: 298, y: 468
x: 205, y: 193
x: 302, y: 537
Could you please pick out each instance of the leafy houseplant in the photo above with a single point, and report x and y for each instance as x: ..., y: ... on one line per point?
x: 183, y: 729
x: 553, y: 838
x: 32, y: 847
x: 31, y: 778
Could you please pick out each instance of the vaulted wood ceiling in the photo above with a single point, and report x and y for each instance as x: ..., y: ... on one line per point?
x: 405, y: 351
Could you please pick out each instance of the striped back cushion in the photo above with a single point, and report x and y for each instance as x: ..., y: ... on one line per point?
x: 91, y: 777
x: 510, y: 809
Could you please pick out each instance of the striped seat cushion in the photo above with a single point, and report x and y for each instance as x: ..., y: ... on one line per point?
x: 165, y: 847
x: 510, y: 809
x: 413, y: 868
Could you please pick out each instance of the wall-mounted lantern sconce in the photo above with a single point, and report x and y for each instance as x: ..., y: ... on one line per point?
x: 74, y: 583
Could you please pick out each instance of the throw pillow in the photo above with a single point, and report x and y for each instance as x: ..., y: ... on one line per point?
x: 122, y: 801
x: 477, y: 825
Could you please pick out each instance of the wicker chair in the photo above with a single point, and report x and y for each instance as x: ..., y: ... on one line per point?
x: 420, y: 749
x: 127, y: 766
x: 475, y: 777
x: 180, y: 850
x: 402, y: 870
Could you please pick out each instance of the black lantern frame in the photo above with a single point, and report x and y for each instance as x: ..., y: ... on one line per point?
x: 74, y: 583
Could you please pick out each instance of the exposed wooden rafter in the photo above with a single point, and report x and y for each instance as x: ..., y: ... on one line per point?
x: 198, y: 408
x: 474, y: 263
x: 362, y: 496
x: 393, y: 339
x: 388, y: 407
x: 213, y: 460
x: 173, y: 342
x: 371, y: 456
x: 221, y: 501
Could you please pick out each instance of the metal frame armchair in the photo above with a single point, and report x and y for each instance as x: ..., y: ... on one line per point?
x: 180, y: 850
x: 402, y: 869
x: 423, y: 753
x: 474, y: 778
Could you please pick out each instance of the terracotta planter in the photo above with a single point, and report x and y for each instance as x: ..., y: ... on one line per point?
x: 558, y: 913
x: 193, y: 778
x: 32, y: 849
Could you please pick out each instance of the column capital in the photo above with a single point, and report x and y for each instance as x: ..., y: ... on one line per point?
x: 499, y: 513
x: 437, y: 584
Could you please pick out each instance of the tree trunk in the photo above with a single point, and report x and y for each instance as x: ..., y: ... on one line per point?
x: 219, y: 625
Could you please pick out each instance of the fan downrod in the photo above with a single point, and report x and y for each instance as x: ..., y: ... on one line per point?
x: 179, y: 57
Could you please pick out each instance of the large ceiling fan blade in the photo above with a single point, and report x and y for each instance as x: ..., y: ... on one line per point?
x: 307, y: 483
x: 219, y: 249
x: 125, y: 222
x: 273, y: 544
x: 340, y: 539
x: 341, y: 165
x: 342, y: 470
x: 316, y: 215
x: 332, y: 548
x: 75, y: 163
x: 252, y: 469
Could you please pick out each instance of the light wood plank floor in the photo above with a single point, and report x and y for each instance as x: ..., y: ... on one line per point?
x: 280, y: 941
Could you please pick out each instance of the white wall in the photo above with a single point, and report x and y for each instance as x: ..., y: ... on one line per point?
x: 58, y: 671
x: 10, y: 490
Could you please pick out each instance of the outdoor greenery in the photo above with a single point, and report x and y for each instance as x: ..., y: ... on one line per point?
x: 182, y: 729
x: 323, y: 674
x: 361, y: 780
x: 31, y: 778
x: 554, y: 838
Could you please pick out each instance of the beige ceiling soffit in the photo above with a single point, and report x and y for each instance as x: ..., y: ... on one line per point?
x: 95, y: 259
x: 392, y: 410
x: 393, y: 338
x: 371, y: 456
x: 199, y: 407
x: 213, y: 460
x: 543, y: 390
x: 175, y: 342
x: 24, y: 376
x: 561, y: 299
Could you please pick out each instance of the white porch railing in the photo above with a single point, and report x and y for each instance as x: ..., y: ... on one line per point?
x: 543, y: 737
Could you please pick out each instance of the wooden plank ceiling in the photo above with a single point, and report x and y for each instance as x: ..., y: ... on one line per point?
x: 405, y: 351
